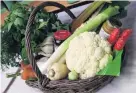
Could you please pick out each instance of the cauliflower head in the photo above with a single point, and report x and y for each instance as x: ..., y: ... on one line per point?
x: 87, y: 54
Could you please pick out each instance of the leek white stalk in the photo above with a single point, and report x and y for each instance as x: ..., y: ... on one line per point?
x: 62, y: 59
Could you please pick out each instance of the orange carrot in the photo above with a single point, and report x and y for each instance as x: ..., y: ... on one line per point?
x: 28, y: 73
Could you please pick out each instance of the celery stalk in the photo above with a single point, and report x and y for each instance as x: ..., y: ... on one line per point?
x: 88, y: 26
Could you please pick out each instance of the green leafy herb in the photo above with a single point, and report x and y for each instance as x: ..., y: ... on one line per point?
x: 9, y: 26
x: 13, y: 33
x: 43, y: 24
x: 18, y: 22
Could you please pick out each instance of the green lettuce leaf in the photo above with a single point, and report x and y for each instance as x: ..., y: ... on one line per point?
x: 113, y: 66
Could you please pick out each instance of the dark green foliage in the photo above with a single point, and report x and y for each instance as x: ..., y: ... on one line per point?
x: 122, y: 10
x: 13, y: 33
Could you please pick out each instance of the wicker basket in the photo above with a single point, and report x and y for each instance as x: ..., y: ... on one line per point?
x: 61, y: 86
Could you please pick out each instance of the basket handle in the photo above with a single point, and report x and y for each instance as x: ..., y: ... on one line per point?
x: 28, y: 33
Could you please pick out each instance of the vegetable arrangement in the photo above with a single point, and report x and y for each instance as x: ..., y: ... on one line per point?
x: 117, y: 52
x: 86, y: 54
x: 81, y: 55
x: 89, y: 25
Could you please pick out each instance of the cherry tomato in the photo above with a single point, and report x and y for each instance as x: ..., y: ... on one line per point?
x: 114, y: 36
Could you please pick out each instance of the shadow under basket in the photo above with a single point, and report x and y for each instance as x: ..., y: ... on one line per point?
x: 60, y: 86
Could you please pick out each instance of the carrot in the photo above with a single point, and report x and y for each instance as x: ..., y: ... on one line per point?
x: 24, y: 75
x: 28, y: 73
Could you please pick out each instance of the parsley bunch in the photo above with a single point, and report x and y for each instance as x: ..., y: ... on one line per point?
x: 13, y: 33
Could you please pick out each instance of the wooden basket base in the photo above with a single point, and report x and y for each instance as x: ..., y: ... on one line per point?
x: 84, y: 86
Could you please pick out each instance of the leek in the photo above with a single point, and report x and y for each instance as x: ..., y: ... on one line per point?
x: 86, y: 13
x: 90, y: 25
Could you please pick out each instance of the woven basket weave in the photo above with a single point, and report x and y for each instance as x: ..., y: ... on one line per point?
x: 61, y: 86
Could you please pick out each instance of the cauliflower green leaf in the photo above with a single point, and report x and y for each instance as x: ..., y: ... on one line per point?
x: 113, y: 66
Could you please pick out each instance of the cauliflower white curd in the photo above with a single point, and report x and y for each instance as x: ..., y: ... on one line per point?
x: 87, y: 54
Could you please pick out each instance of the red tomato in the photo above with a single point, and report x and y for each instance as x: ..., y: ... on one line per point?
x: 114, y: 36
x: 61, y: 34
x: 125, y: 34
x: 119, y: 44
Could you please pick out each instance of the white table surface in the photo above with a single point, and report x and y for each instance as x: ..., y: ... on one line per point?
x: 125, y: 83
